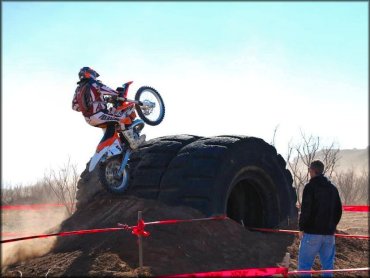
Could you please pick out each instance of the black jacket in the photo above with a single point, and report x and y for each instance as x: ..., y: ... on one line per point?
x: 321, y: 207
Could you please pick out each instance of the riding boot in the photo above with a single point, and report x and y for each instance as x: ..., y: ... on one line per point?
x: 133, y: 140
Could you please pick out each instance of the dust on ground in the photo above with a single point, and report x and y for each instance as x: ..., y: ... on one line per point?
x: 31, y: 220
x: 170, y: 249
x: 21, y: 223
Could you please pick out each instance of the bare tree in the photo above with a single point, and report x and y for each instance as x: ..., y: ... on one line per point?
x: 30, y: 194
x: 330, y: 157
x: 42, y: 193
x: 63, y: 184
x: 363, y: 182
x: 14, y: 195
x: 352, y: 189
x: 300, y: 156
x: 274, y: 136
x: 7, y: 197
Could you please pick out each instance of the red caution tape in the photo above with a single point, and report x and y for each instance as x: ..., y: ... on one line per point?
x: 357, y: 208
x: 328, y: 271
x: 247, y: 272
x: 254, y: 272
x: 173, y: 221
x: 273, y: 230
x: 11, y: 234
x: 30, y: 207
x: 139, y: 229
x: 80, y: 232
x: 353, y: 236
x: 296, y: 232
x: 136, y: 230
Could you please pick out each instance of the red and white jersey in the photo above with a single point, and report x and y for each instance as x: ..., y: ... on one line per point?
x: 88, y: 97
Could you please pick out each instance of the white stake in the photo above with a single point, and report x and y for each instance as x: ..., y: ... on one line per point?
x: 286, y: 260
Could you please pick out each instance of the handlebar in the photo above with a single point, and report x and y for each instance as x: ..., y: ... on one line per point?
x: 113, y: 99
x: 130, y: 100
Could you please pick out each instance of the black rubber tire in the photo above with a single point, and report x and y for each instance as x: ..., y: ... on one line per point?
x: 160, y: 100
x: 150, y: 162
x: 240, y: 176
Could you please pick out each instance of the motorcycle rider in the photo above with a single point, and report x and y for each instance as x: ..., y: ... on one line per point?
x: 89, y: 99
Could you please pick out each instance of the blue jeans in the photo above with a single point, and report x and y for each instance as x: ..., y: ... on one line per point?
x: 310, y: 246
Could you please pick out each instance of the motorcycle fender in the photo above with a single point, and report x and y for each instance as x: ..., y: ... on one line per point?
x: 111, y: 150
x: 96, y: 158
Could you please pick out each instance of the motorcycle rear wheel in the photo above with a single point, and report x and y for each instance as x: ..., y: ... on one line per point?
x: 112, y: 182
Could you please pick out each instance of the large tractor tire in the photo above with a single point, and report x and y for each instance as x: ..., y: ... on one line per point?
x: 149, y: 164
x: 146, y: 168
x: 240, y: 176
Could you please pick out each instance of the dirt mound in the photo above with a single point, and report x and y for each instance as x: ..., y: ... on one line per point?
x: 170, y: 249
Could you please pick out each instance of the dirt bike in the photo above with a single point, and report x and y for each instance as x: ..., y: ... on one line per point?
x: 112, y: 155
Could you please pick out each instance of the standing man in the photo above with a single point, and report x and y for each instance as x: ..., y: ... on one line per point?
x: 320, y: 214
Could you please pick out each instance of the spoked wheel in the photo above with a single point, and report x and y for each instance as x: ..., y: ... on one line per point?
x: 152, y: 111
x: 110, y: 178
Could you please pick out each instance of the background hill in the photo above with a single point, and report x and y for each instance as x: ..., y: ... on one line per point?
x: 348, y: 159
x: 356, y: 159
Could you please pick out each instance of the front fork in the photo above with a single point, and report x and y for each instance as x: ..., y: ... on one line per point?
x: 137, y: 125
x: 124, y: 162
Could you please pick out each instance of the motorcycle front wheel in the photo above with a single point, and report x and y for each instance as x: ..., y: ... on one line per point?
x: 152, y: 111
x: 114, y: 183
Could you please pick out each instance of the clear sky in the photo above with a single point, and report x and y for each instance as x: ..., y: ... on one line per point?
x: 221, y: 68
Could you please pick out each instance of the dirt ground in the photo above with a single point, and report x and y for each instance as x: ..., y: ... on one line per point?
x: 170, y: 249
